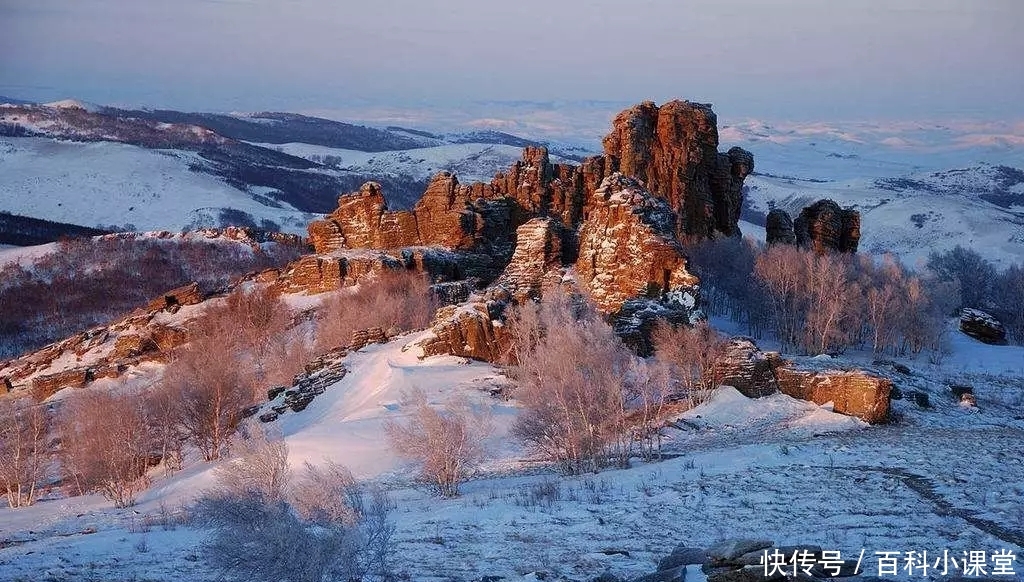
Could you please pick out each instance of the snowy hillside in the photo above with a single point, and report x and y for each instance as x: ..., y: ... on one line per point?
x: 471, y: 162
x: 103, y: 183
x: 773, y: 468
x: 918, y: 188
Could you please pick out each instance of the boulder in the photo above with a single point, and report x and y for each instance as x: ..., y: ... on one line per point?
x: 177, y: 298
x: 726, y: 551
x: 779, y: 228
x: 468, y: 331
x: 45, y: 386
x: 982, y: 326
x: 852, y: 392
x: 682, y: 555
x: 745, y: 367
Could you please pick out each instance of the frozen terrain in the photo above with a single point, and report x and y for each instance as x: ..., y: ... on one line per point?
x: 113, y: 184
x: 939, y: 478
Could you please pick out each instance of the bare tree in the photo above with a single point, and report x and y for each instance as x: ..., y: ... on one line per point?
x: 106, y: 445
x: 447, y: 443
x: 23, y: 451
x: 690, y: 356
x: 1008, y: 307
x: 780, y: 270
x: 212, y: 389
x: 163, y: 412
x: 969, y: 271
x: 261, y: 321
x: 831, y: 298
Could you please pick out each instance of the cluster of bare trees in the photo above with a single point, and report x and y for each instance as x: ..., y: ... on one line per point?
x: 89, y: 281
x: 106, y: 445
x: 823, y: 303
x: 24, y: 450
x: 980, y: 285
x: 587, y: 401
x: 394, y: 301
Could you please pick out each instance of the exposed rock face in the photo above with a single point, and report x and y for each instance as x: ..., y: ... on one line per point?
x: 468, y: 331
x: 745, y: 367
x: 177, y: 298
x: 825, y: 227
x: 854, y: 393
x: 627, y: 249
x: 537, y: 257
x: 673, y: 149
x: 982, y: 326
x: 779, y: 228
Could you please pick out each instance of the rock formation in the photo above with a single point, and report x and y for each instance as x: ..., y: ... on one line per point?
x: 779, y: 228
x: 673, y: 149
x: 467, y: 330
x: 745, y: 367
x: 612, y: 225
x: 536, y: 260
x: 825, y: 227
x: 852, y: 392
x: 982, y: 326
x: 626, y: 246
x: 822, y: 226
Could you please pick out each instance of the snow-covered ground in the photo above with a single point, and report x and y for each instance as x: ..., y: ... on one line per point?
x: 106, y: 183
x: 940, y: 478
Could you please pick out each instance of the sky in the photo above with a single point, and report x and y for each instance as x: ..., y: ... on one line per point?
x: 770, y: 59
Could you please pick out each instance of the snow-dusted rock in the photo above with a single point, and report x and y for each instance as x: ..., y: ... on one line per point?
x: 982, y: 326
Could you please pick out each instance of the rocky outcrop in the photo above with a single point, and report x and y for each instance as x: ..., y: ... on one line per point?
x: 745, y: 367
x: 825, y: 227
x: 537, y: 259
x: 982, y: 326
x: 177, y: 298
x: 616, y: 220
x: 469, y: 331
x: 673, y: 149
x: 854, y: 393
x: 627, y: 248
x: 779, y: 228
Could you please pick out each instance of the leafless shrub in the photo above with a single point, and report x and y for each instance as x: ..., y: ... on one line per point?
x: 259, y: 462
x: 257, y: 539
x: 447, y: 443
x: 326, y: 494
x: 396, y: 301
x: 24, y: 454
x: 106, y: 445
